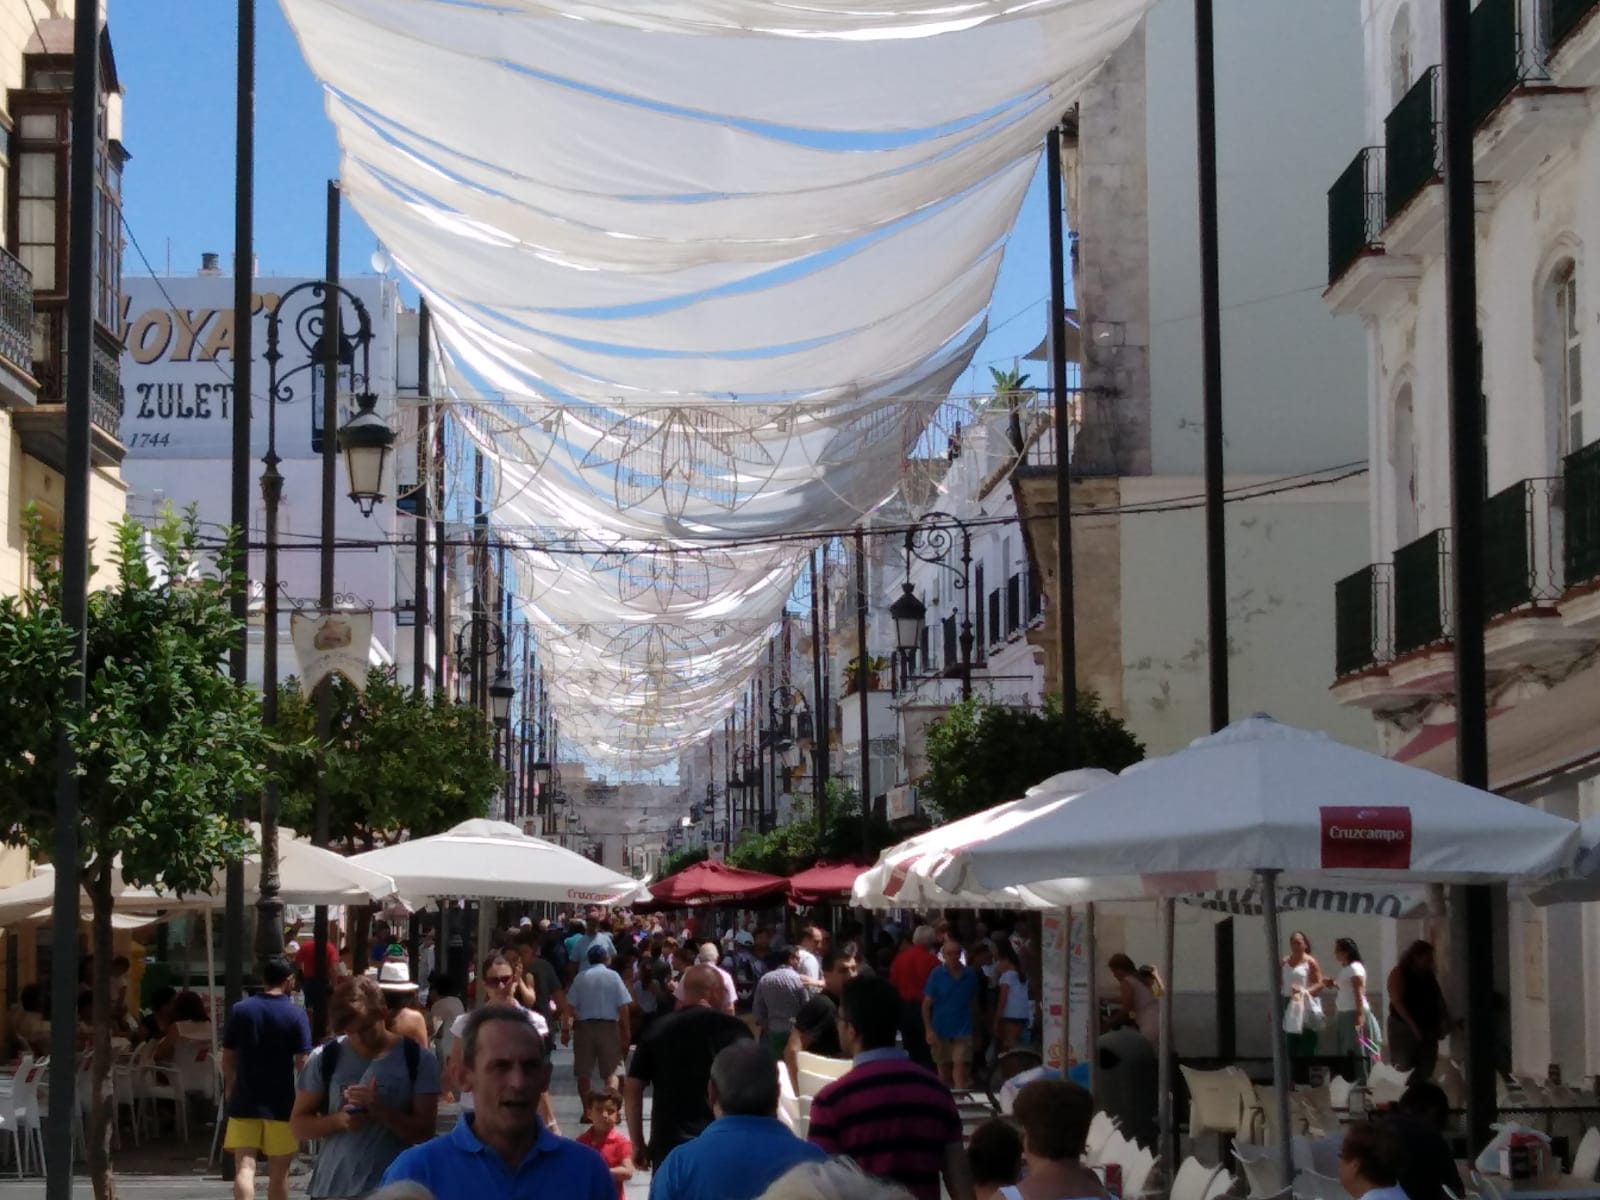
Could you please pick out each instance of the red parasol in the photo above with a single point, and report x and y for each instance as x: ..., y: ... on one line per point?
x: 712, y: 882
x: 825, y: 883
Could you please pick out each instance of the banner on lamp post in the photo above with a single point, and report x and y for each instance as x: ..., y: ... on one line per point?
x: 336, y: 643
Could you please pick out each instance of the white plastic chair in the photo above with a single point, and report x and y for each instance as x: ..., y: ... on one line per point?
x: 1386, y: 1084
x: 1101, y: 1127
x: 820, y: 1064
x: 155, y: 1083
x: 1221, y: 1184
x: 1586, y: 1159
x: 1314, y: 1106
x: 1213, y: 1101
x: 1260, y: 1166
x: 1193, y: 1180
x: 1486, y: 1187
x: 28, y: 1130
x: 1137, y: 1164
x: 1339, y: 1091
x: 122, y: 1093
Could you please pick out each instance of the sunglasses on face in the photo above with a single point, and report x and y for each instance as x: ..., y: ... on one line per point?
x: 497, y: 980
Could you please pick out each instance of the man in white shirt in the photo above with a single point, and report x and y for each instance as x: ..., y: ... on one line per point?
x: 708, y: 957
x: 599, y: 1002
x: 810, y: 949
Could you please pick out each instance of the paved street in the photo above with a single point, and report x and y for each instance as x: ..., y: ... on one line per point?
x: 173, y: 1173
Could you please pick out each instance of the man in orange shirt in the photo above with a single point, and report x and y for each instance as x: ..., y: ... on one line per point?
x: 909, y: 973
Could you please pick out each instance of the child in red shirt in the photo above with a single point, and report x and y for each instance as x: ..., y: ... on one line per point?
x: 603, y: 1113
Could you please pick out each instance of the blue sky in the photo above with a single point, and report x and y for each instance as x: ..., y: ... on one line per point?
x: 176, y: 59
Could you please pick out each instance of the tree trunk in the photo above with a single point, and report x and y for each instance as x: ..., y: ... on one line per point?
x: 102, y: 1109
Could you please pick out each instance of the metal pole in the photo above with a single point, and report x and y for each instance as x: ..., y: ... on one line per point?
x: 1066, y: 620
x: 727, y: 744
x: 1465, y: 384
x: 441, y: 615
x: 819, y: 736
x: 325, y: 588
x: 74, y: 603
x: 1169, y: 1133
x: 268, y: 908
x: 1227, y: 1011
x: 966, y: 613
x: 1280, y: 1048
x: 1091, y: 955
x: 824, y: 721
x: 863, y: 693
x: 480, y: 567
x: 233, y: 924
x: 1211, y: 368
x: 419, y: 571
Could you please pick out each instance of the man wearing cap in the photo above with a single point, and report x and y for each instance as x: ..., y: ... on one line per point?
x: 599, y: 1002
x: 405, y: 1019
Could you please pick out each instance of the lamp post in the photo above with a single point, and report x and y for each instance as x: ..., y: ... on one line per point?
x: 367, y: 441
x: 930, y: 540
x: 500, y: 696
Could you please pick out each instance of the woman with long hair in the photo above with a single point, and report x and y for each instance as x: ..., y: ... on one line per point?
x: 1355, y: 1031
x: 1302, y: 984
x: 1138, y: 997
x: 499, y: 980
x: 1418, y: 1017
x: 1013, y: 1010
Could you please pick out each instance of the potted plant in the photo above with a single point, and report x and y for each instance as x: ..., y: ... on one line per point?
x: 852, y: 673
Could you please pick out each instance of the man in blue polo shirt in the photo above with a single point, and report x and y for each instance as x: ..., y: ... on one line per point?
x: 501, y: 1151
x: 740, y: 1153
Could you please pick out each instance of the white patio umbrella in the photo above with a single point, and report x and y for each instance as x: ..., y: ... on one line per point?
x: 905, y: 874
x: 1260, y: 798
x: 493, y: 860
x: 1581, y: 884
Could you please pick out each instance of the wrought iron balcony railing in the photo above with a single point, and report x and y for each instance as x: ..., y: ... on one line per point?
x: 1521, y: 539
x: 16, y: 312
x: 1504, y: 55
x: 105, y: 389
x: 1421, y: 614
x: 1411, y: 156
x: 1567, y: 15
x: 1355, y: 211
x: 1581, y: 515
x: 1360, y: 611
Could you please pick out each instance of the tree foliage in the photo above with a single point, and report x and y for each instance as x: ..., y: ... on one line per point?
x: 798, y: 843
x: 394, y: 762
x: 164, y: 741
x: 686, y: 856
x: 980, y: 754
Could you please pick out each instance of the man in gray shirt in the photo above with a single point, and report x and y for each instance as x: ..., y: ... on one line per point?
x: 779, y: 994
x: 364, y: 1097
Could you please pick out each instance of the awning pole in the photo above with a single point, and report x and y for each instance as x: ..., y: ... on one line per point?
x: 1280, y: 1048
x: 1169, y: 1133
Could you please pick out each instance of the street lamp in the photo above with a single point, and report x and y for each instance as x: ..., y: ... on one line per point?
x: 318, y: 329
x: 908, y: 614
x: 366, y: 440
x: 500, y: 696
x: 930, y: 540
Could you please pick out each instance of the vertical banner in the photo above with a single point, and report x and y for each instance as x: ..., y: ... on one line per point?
x: 1053, y: 985
x: 1080, y: 1021
x: 331, y: 643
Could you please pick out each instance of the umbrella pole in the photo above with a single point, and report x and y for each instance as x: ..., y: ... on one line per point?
x: 211, y: 984
x: 1091, y: 1041
x: 1280, y: 1049
x: 1164, y: 1063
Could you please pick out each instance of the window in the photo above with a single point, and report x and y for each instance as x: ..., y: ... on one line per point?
x: 1567, y: 347
x: 1400, y: 55
x: 1013, y: 604
x: 978, y: 644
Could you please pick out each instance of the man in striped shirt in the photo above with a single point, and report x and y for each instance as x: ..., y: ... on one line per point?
x: 893, y: 1117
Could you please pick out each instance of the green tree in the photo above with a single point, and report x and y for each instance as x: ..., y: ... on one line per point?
x: 394, y: 762
x: 1012, y: 391
x: 164, y: 741
x: 798, y: 843
x: 980, y: 754
x: 686, y: 857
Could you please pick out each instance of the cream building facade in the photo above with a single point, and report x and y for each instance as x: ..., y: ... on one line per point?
x: 35, y: 98
x: 1536, y: 108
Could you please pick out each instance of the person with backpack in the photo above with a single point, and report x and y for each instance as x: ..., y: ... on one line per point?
x: 364, y: 1097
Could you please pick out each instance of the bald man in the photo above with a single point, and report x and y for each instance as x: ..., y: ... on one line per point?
x: 675, y: 1058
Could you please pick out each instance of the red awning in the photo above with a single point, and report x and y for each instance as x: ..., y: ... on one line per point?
x: 712, y: 882
x: 825, y: 883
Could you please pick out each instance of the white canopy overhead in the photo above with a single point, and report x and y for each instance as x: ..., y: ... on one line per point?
x: 1582, y: 884
x: 629, y: 218
x: 493, y: 859
x: 1264, y: 796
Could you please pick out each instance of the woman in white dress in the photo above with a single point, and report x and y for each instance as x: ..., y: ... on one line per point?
x: 1302, y: 984
x: 1139, y: 1000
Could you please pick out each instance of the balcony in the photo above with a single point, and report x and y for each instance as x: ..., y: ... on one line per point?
x: 1575, y: 42
x: 1362, y: 277
x: 1580, y: 606
x: 1422, y: 616
x: 1412, y: 154
x: 1520, y: 118
x: 43, y: 429
x: 1361, y: 607
x: 17, y: 385
x: 1522, y: 567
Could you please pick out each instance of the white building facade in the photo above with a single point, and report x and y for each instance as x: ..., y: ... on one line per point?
x: 1536, y: 108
